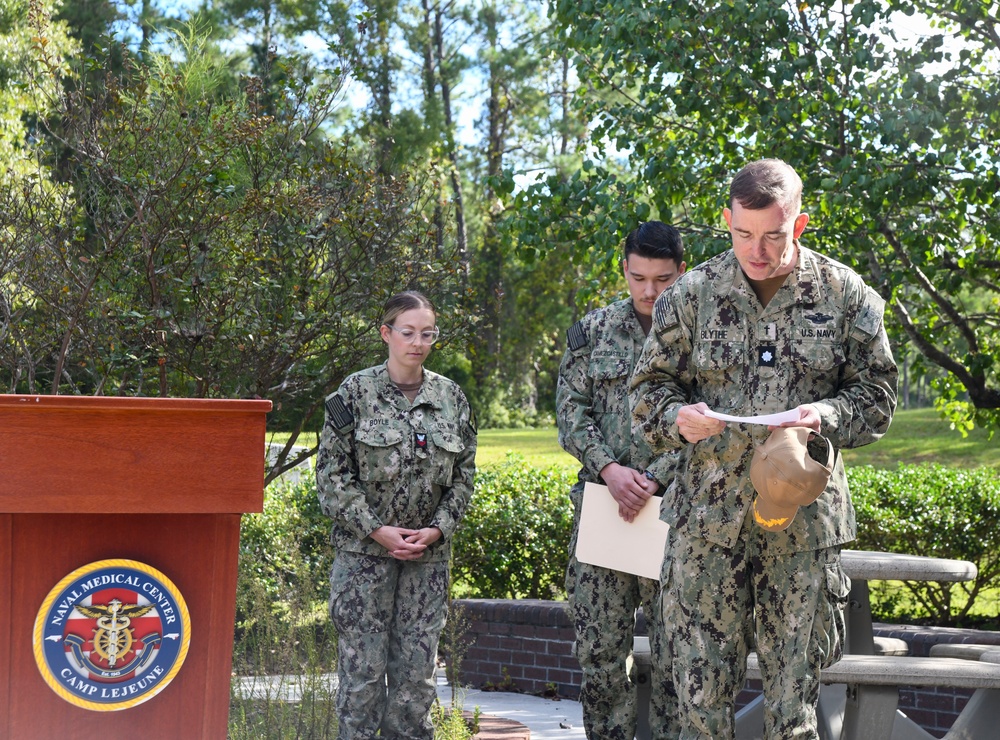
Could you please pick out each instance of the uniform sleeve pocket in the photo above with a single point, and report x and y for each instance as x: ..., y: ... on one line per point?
x: 449, y: 442
x: 819, y: 357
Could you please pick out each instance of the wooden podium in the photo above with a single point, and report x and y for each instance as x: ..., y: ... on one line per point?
x: 158, y: 481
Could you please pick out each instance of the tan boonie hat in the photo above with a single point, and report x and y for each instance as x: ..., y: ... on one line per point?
x: 786, y: 476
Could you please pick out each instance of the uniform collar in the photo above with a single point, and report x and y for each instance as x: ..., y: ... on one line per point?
x: 388, y: 390
x: 629, y: 322
x: 801, y: 287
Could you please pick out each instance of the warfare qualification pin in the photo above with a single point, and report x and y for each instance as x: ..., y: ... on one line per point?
x: 111, y: 635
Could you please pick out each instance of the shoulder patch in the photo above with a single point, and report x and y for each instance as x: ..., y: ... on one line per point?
x: 872, y: 313
x: 663, y: 312
x: 576, y: 337
x: 339, y: 414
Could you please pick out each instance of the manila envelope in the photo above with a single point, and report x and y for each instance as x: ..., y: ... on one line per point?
x: 607, y: 540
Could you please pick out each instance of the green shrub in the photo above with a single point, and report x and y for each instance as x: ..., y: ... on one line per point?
x: 451, y: 723
x: 514, y: 540
x: 930, y: 510
x: 285, y: 647
x: 283, y: 585
x: 286, y: 549
x: 289, y: 707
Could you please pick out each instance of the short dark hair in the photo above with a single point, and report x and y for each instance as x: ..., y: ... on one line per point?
x: 655, y: 240
x: 765, y: 182
x: 405, y: 301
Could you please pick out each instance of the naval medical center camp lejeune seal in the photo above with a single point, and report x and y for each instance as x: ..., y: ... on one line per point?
x: 111, y: 635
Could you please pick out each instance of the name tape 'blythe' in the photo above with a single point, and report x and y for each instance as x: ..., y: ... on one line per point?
x: 111, y: 635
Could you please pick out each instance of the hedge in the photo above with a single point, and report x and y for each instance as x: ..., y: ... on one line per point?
x: 514, y: 540
x: 930, y: 509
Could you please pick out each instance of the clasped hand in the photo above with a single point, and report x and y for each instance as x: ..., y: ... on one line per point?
x: 629, y: 488
x: 406, y: 544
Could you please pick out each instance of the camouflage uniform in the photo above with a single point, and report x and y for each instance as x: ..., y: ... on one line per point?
x: 383, y: 461
x: 595, y: 427
x: 820, y: 340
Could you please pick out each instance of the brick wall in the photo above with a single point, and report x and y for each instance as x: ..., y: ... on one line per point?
x: 527, y: 646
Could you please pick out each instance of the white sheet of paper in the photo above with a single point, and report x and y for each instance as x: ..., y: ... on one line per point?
x: 769, y: 419
x: 609, y: 541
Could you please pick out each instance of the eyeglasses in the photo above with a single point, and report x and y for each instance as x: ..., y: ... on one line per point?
x: 410, y: 336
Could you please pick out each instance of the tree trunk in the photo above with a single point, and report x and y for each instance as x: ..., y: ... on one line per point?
x: 450, y: 146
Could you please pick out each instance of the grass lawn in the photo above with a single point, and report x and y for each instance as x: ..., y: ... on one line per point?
x: 539, y: 446
x: 920, y: 435
x: 916, y: 436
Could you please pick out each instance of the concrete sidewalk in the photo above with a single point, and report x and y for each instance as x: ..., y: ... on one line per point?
x: 547, y: 719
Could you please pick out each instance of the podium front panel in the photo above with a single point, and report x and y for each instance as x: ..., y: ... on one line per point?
x: 161, y: 482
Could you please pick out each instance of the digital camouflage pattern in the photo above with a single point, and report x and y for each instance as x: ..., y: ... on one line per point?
x: 396, y: 463
x: 595, y: 427
x: 389, y: 615
x: 602, y: 605
x: 726, y: 582
x: 820, y: 340
x: 385, y: 461
x: 592, y: 401
x: 799, y: 600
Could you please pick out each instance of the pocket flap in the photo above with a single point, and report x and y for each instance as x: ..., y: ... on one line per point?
x: 381, y: 435
x: 447, y: 441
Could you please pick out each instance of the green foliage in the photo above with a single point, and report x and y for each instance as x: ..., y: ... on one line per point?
x: 207, y: 241
x: 897, y: 140
x: 285, y: 646
x: 514, y: 539
x: 287, y: 707
x: 450, y: 723
x: 32, y: 71
x: 454, y: 644
x: 936, y: 511
x: 285, y: 552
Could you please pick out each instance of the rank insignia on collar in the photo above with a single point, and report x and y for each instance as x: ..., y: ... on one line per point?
x: 420, y: 440
x: 766, y: 355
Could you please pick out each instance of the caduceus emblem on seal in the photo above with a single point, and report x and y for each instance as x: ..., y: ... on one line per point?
x: 111, y: 634
x: 113, y: 637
